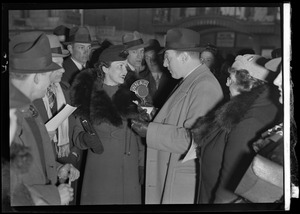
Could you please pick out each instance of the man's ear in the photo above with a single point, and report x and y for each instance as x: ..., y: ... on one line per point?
x: 184, y: 57
x: 36, y: 78
x: 70, y: 48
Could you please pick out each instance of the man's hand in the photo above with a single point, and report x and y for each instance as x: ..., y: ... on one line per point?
x: 140, y: 127
x: 66, y: 193
x: 68, y: 171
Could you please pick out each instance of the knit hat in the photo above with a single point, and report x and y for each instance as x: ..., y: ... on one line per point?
x: 254, y: 64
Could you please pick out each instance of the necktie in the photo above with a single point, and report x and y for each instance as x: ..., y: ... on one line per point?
x: 51, y: 98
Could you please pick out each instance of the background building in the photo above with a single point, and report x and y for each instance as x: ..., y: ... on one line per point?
x: 229, y: 28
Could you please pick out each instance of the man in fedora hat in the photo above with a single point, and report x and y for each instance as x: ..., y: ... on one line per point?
x: 168, y: 179
x: 160, y: 81
x: 66, y: 136
x: 136, y: 66
x: 30, y: 67
x: 79, y: 45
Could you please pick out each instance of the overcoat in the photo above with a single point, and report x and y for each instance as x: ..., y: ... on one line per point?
x: 113, y: 176
x: 224, y: 140
x: 41, y: 177
x: 76, y: 155
x: 71, y: 70
x: 168, y: 180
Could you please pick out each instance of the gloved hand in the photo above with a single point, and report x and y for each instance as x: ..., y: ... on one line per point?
x: 143, y: 115
x: 141, y: 174
x: 140, y: 127
x: 92, y: 141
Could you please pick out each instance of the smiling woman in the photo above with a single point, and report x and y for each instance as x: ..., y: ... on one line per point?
x: 104, y: 100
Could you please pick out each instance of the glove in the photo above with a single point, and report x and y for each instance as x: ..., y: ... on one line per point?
x: 140, y: 127
x: 92, y: 142
x: 141, y: 175
x: 143, y: 115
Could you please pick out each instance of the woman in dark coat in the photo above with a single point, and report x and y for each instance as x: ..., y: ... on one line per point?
x: 224, y: 137
x: 105, y: 101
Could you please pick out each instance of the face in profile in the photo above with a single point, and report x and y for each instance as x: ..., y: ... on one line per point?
x: 171, y: 61
x: 115, y: 74
x: 231, y: 83
x: 57, y: 74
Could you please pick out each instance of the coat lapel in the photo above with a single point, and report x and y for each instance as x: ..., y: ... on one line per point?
x: 178, y: 94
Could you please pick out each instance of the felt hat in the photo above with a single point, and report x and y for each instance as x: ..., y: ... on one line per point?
x: 273, y: 64
x: 133, y: 41
x: 112, y: 53
x: 56, y: 47
x: 254, y: 64
x: 153, y: 44
x: 182, y: 39
x: 30, y: 52
x: 79, y: 35
x: 61, y: 30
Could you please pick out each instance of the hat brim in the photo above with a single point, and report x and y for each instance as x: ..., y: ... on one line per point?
x: 138, y: 46
x: 65, y: 53
x: 196, y: 49
x: 273, y: 64
x: 84, y: 42
x: 52, y: 67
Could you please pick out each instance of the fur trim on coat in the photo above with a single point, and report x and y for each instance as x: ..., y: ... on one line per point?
x: 94, y: 103
x: 227, y: 116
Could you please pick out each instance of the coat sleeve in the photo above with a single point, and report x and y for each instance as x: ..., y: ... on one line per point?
x: 176, y: 138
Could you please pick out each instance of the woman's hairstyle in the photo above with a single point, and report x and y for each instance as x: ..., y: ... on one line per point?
x: 99, y: 66
x: 244, y: 81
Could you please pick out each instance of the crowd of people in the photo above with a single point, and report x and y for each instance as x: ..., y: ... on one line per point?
x: 111, y: 150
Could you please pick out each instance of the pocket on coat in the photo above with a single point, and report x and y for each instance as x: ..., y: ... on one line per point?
x: 183, y: 186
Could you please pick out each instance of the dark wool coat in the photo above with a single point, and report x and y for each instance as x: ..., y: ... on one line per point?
x: 225, y: 139
x: 111, y: 177
x: 71, y: 70
x: 41, y: 177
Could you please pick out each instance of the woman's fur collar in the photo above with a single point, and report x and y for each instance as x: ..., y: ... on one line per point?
x: 228, y: 115
x: 94, y: 104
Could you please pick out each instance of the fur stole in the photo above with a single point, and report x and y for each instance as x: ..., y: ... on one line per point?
x: 227, y: 116
x: 94, y: 103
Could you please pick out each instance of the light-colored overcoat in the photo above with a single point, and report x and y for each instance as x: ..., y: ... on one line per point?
x: 168, y: 180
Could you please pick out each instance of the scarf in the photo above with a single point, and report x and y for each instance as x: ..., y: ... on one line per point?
x: 61, y: 139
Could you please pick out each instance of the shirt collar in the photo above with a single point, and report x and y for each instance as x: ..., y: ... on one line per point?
x: 192, y: 70
x: 78, y: 65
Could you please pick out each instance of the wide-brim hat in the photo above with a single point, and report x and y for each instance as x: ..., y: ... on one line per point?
x: 79, y: 35
x: 254, y: 64
x: 56, y: 47
x: 133, y: 41
x: 153, y: 44
x: 30, y: 52
x: 273, y: 64
x: 113, y: 53
x: 182, y: 39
